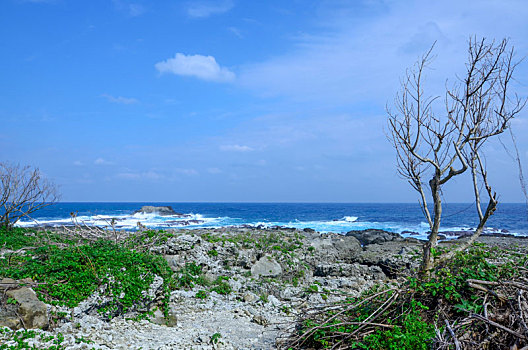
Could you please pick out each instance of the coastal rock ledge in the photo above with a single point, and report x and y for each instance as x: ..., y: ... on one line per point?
x: 235, y: 288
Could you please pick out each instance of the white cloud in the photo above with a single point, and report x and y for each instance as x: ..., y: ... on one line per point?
x: 40, y: 1
x: 147, y: 175
x: 131, y: 9
x: 236, y: 148
x: 156, y: 174
x: 152, y: 175
x: 236, y: 32
x: 202, y: 67
x: 120, y: 99
x: 214, y: 170
x: 204, y: 9
x: 189, y: 172
x: 78, y: 163
x: 129, y: 176
x: 135, y: 10
x: 102, y: 161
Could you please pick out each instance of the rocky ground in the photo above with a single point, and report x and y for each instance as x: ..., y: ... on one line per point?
x: 266, y: 277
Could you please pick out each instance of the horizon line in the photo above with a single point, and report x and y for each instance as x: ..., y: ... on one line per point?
x: 267, y: 202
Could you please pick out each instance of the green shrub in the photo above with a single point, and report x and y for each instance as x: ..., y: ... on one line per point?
x: 221, y: 286
x: 202, y: 294
x: 21, y: 337
x: 410, y: 332
x: 17, y: 237
x: 215, y: 338
x: 190, y: 275
x: 69, y: 275
x: 212, y: 252
x: 449, y: 280
x: 419, y: 304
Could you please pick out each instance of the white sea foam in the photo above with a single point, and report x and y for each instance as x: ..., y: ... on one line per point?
x: 192, y: 220
x: 127, y: 222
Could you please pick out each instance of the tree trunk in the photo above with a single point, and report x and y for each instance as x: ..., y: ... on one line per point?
x: 428, y: 258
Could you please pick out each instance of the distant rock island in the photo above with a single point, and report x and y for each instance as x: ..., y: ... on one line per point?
x: 162, y: 210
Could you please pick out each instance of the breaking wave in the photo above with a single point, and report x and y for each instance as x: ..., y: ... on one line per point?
x: 127, y: 219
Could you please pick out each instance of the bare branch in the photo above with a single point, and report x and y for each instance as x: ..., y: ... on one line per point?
x: 441, y: 147
x: 23, y: 191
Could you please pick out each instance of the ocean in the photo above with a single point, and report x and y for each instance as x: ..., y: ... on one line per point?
x: 322, y: 217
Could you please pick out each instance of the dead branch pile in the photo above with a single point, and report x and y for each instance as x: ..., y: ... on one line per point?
x: 490, y: 313
x: 502, y: 322
x: 338, y: 325
x: 141, y: 239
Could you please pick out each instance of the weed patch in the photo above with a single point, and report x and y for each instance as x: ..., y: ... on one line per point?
x: 452, y: 305
x: 68, y: 274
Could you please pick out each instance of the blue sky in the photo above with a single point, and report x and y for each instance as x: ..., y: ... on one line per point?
x: 233, y: 100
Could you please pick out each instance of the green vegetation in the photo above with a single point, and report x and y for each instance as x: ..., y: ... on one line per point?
x: 268, y: 243
x: 148, y: 238
x: 190, y: 275
x: 282, y: 246
x: 410, y: 332
x: 201, y: 294
x: 405, y: 316
x: 17, y: 238
x: 264, y: 298
x: 215, y: 338
x: 82, y: 339
x: 221, y: 286
x: 449, y: 284
x: 21, y: 337
x: 212, y: 252
x: 69, y: 271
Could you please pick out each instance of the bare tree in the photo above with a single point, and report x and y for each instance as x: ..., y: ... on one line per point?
x: 23, y: 191
x: 433, y: 148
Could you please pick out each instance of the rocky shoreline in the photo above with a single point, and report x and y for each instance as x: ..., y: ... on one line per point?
x: 267, y: 277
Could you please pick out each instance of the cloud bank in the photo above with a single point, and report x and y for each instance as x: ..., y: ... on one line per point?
x: 347, y: 61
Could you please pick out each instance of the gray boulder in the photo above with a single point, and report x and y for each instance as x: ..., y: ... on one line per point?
x: 28, y: 311
x: 266, y: 267
x: 176, y: 245
x: 333, y: 248
x: 374, y: 236
x: 392, y: 257
x: 159, y: 318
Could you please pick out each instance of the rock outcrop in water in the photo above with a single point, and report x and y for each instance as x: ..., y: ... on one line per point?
x: 164, y: 210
